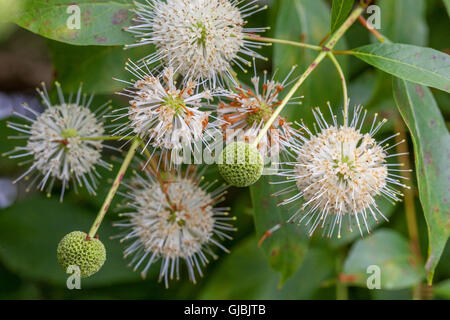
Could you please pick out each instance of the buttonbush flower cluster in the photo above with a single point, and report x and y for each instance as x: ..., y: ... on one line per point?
x: 179, y: 96
x: 58, y: 140
x: 339, y: 171
x: 172, y: 218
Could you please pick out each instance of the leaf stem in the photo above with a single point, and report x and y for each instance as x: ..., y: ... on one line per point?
x: 343, y: 52
x: 101, y: 214
x: 344, y: 85
x: 324, y: 51
x: 287, y: 42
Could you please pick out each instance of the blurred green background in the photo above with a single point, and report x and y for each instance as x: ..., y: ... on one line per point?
x: 31, y: 224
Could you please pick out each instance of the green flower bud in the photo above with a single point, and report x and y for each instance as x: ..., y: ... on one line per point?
x: 76, y: 249
x: 241, y: 164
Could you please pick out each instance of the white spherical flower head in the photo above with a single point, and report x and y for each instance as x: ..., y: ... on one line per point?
x: 173, y: 219
x: 199, y: 38
x: 249, y: 110
x: 166, y: 116
x: 339, y: 172
x: 63, y: 141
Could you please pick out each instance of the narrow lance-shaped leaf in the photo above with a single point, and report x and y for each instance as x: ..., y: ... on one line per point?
x: 425, y: 66
x: 432, y: 153
x: 286, y: 247
x: 83, y: 22
x: 339, y: 12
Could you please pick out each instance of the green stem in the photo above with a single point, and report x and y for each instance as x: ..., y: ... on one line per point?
x: 107, y: 138
x: 343, y: 52
x: 286, y: 99
x: 287, y: 42
x: 377, y: 35
x: 341, y: 286
x: 101, y: 214
x: 344, y: 85
x: 327, y: 48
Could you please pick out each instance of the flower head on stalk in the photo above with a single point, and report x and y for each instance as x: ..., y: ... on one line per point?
x: 165, y: 116
x: 172, y: 218
x: 199, y: 38
x: 248, y: 110
x: 339, y: 172
x: 62, y: 142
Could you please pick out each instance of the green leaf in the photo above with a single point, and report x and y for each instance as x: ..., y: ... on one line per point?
x: 30, y: 232
x: 340, y: 10
x: 244, y: 274
x: 396, y: 20
x: 425, y: 66
x: 101, y: 21
x: 286, y: 248
x: 95, y: 66
x: 442, y: 289
x: 447, y: 5
x: 391, y: 253
x: 432, y: 153
x: 307, y: 21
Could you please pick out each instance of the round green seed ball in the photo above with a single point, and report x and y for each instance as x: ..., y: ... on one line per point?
x: 75, y: 249
x: 241, y: 164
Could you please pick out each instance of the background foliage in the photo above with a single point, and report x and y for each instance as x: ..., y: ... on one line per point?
x: 289, y: 265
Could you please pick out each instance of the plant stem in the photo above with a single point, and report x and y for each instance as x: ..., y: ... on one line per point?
x: 344, y: 85
x: 343, y: 52
x: 291, y: 92
x: 410, y: 207
x: 341, y: 286
x: 106, y: 138
x: 377, y: 35
x: 324, y: 51
x: 101, y: 214
x: 287, y: 42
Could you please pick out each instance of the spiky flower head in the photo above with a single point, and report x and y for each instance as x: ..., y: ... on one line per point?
x: 201, y: 39
x: 78, y: 249
x: 165, y: 116
x: 173, y: 218
x: 249, y: 110
x: 63, y: 141
x: 241, y: 164
x: 340, y: 172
